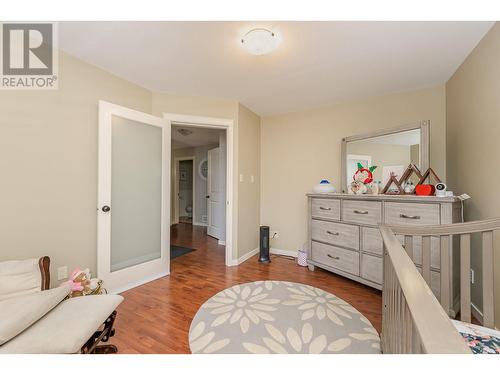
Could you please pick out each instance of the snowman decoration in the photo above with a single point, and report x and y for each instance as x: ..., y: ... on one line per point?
x: 362, y: 179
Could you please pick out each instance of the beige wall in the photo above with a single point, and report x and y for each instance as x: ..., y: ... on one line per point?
x: 473, y: 130
x: 299, y: 149
x: 48, y: 164
x: 249, y: 192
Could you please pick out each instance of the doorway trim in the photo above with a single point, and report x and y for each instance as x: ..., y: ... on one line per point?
x: 176, y: 177
x: 222, y: 124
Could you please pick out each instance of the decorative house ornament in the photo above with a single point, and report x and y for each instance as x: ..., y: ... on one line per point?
x: 429, y: 173
x: 397, y: 186
x: 324, y: 187
x: 427, y: 189
x: 405, y: 186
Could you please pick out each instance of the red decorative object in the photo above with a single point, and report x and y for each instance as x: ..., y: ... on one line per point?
x: 364, y: 175
x: 425, y: 189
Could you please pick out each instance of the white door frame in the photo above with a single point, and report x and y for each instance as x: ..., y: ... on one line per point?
x: 222, y: 124
x: 210, y: 195
x: 176, y: 186
x: 120, y: 280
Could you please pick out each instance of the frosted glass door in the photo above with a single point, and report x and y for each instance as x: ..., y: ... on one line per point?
x: 133, y: 181
x: 136, y: 170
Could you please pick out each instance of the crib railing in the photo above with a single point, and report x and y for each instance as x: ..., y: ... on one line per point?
x: 460, y: 232
x: 413, y: 320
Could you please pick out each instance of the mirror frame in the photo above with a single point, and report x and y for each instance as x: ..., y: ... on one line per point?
x: 424, y: 127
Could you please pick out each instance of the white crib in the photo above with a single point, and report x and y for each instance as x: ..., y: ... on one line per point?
x: 413, y: 320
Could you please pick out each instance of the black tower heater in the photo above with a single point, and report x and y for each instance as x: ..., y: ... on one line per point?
x: 264, y: 244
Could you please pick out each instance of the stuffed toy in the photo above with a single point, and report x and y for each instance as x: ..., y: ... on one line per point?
x: 362, y: 179
x: 82, y: 284
x: 364, y: 175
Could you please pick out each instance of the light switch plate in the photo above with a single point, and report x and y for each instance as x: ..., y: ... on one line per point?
x: 241, y: 177
x: 252, y: 179
x: 62, y: 273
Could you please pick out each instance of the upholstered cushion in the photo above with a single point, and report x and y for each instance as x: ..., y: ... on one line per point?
x: 66, y: 328
x: 19, y: 313
x: 19, y: 277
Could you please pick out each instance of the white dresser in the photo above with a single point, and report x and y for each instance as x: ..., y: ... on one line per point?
x: 344, y: 238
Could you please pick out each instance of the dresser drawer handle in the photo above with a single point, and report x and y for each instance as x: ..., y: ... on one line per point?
x: 331, y: 256
x: 360, y: 212
x: 325, y: 208
x: 414, y: 217
x: 332, y: 233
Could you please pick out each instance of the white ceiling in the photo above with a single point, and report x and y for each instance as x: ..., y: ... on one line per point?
x: 198, y: 137
x: 317, y: 63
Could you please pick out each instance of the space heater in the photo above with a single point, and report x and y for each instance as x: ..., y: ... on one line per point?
x: 264, y: 245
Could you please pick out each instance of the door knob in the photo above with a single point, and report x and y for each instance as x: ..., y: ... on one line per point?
x: 208, y: 196
x: 106, y: 208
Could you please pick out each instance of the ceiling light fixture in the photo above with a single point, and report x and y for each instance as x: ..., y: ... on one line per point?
x: 185, y: 132
x: 260, y: 41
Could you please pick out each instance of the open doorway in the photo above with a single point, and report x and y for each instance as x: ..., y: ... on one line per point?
x: 185, y: 190
x: 198, y: 191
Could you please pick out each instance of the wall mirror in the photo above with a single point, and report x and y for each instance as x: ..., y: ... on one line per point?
x: 390, y: 150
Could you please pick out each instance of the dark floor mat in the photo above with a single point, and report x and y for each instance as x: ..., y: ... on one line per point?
x: 177, y: 251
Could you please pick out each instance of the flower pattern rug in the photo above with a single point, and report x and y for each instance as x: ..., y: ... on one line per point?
x: 280, y: 317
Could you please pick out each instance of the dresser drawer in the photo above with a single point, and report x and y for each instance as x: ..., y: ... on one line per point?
x: 411, y: 213
x: 371, y: 268
x: 325, y: 208
x: 362, y: 212
x: 371, y: 240
x: 335, y: 233
x: 344, y: 260
x: 417, y: 250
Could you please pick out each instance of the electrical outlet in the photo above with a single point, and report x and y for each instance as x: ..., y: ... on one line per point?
x: 62, y: 273
x: 252, y: 179
x: 275, y: 234
x: 471, y: 276
x: 241, y: 177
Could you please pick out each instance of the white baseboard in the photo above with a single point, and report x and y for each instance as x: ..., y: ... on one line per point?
x: 289, y: 253
x: 137, y: 260
x: 223, y: 243
x: 247, y: 256
x: 199, y: 224
x: 138, y: 283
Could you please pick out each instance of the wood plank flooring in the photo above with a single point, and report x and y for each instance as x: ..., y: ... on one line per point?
x: 155, y: 317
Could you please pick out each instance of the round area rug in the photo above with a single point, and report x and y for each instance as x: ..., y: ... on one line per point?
x: 280, y: 317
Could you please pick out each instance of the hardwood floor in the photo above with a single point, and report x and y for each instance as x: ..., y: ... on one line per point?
x: 155, y: 317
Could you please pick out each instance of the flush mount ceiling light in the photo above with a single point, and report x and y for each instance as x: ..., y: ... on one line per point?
x: 259, y: 41
x: 185, y: 132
